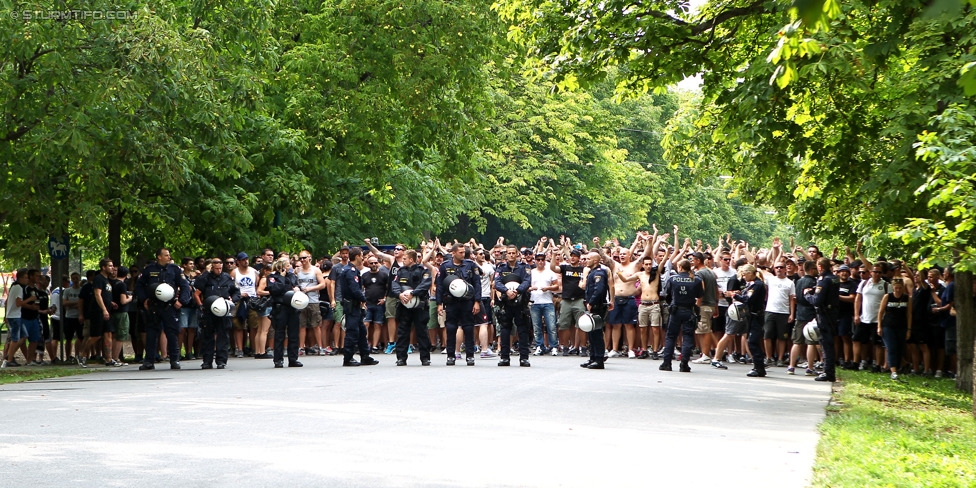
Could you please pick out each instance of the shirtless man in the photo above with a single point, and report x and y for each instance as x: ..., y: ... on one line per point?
x: 624, y: 311
x: 649, y: 311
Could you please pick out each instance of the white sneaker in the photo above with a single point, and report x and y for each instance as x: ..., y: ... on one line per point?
x: 555, y: 351
x: 703, y: 360
x: 3, y: 365
x: 894, y: 376
x: 614, y: 354
x: 938, y: 373
x: 631, y: 354
x: 538, y: 351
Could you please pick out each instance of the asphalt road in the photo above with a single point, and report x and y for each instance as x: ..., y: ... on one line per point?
x: 553, y: 424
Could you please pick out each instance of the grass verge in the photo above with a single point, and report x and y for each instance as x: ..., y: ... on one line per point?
x: 916, y: 431
x: 31, y: 373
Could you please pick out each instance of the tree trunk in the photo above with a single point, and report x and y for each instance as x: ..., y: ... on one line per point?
x: 115, y: 235
x: 965, y: 332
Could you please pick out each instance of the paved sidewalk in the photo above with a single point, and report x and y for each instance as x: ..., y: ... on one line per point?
x: 553, y: 424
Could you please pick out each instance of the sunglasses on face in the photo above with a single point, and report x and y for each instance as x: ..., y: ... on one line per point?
x: 303, y: 257
x: 779, y: 267
x: 231, y: 263
x: 397, y: 248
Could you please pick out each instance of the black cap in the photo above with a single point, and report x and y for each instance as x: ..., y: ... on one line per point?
x: 242, y: 255
x: 698, y: 255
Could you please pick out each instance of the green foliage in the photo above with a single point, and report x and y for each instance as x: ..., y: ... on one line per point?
x: 951, y: 191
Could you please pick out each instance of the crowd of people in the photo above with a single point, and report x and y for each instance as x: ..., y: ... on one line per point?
x: 660, y: 298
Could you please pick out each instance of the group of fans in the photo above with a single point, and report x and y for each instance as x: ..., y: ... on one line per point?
x: 720, y: 304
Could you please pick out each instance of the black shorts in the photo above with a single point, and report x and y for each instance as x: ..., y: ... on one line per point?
x: 45, y: 329
x: 98, y: 326
x: 866, y: 334
x: 718, y: 324
x: 920, y: 334
x: 776, y: 326
x: 936, y: 337
x: 845, y: 326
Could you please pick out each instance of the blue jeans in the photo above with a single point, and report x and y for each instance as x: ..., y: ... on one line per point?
x: 545, y: 311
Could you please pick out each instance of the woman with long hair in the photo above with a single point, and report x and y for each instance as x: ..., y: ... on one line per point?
x: 895, y: 323
x: 260, y: 339
x: 284, y: 317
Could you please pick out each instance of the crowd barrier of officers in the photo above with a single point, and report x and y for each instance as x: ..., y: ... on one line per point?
x: 693, y: 304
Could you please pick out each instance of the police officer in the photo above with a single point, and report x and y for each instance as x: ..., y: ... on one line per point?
x: 215, y: 330
x: 353, y: 300
x: 162, y: 317
x: 284, y: 317
x: 412, y: 280
x: 514, y: 306
x: 826, y: 299
x: 686, y: 292
x: 753, y: 294
x: 459, y: 311
x: 598, y: 302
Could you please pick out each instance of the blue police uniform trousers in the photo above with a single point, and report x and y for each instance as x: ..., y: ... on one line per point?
x: 214, y: 337
x: 519, y: 317
x: 284, y: 318
x: 412, y: 319
x: 458, y: 314
x: 355, y: 330
x: 682, y: 320
x: 755, y: 342
x: 598, y: 345
x: 828, y: 330
x: 162, y: 319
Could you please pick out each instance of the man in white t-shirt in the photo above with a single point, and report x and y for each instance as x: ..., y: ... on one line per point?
x: 780, y: 308
x: 15, y: 324
x: 866, y: 305
x: 723, y: 273
x: 544, y: 282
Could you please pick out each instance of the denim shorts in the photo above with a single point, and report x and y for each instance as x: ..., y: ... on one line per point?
x: 375, y: 314
x: 189, y: 318
x: 18, y: 329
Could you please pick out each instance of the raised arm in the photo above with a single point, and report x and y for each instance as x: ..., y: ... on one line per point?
x: 379, y: 254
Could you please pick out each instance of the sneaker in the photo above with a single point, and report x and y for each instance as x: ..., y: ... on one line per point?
x: 644, y: 354
x: 538, y: 351
x: 487, y: 354
x: 801, y: 364
x: 811, y: 372
x: 82, y: 362
x: 703, y: 360
x: 374, y: 350
x: 444, y: 351
x: 864, y: 365
x: 718, y: 365
x: 239, y: 353
x: 938, y: 373
x: 791, y: 370
x: 743, y: 359
x: 555, y: 351
x: 389, y: 348
x: 584, y: 351
x: 631, y: 354
x: 329, y: 351
x: 301, y: 352
x: 3, y: 365
x: 410, y: 349
x: 469, y: 361
x: 568, y: 351
x: 894, y: 376
x: 613, y: 354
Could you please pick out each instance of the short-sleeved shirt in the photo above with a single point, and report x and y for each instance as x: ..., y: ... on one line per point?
x: 376, y: 284
x: 13, y: 310
x: 722, y: 282
x: 871, y: 295
x: 778, y: 293
x: 71, y: 295
x: 102, y: 285
x: 710, y: 296
x: 541, y: 279
x: 118, y: 290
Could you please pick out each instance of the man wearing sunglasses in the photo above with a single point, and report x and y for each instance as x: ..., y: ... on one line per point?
x: 393, y: 262
x: 780, y: 310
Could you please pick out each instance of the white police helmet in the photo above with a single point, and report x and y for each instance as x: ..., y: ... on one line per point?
x: 164, y: 292
x: 299, y: 300
x: 811, y: 331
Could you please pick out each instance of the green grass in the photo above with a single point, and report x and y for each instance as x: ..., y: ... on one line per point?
x: 914, y: 432
x: 30, y: 373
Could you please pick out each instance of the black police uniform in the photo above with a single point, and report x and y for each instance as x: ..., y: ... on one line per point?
x: 459, y: 312
x: 686, y: 289
x: 826, y: 298
x: 353, y: 299
x: 162, y: 316
x: 284, y: 318
x: 514, y: 312
x: 597, y: 297
x: 214, y: 330
x: 416, y: 278
x: 754, y: 296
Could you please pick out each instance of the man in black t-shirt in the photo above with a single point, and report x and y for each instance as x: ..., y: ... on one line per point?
x: 573, y: 304
x: 119, y: 313
x: 86, y: 310
x: 101, y: 324
x: 375, y: 281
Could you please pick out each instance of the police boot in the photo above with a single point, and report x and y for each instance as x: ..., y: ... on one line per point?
x: 665, y: 367
x: 587, y: 363
x: 683, y: 367
x: 595, y: 365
